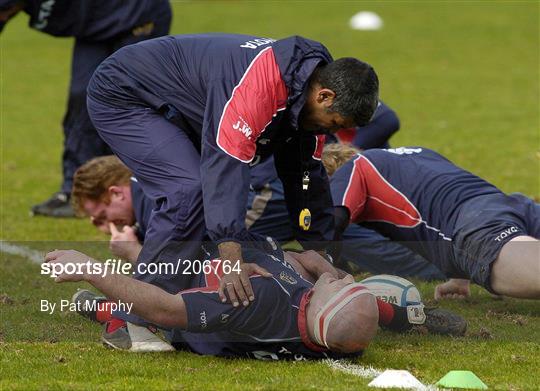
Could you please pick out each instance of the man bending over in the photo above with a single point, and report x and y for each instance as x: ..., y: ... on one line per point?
x: 467, y: 227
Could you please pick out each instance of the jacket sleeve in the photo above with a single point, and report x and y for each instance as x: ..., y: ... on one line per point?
x: 349, y: 188
x: 292, y: 158
x: 237, y: 112
x: 378, y: 131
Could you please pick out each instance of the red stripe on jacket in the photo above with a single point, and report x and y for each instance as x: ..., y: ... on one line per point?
x: 255, y: 100
x: 369, y: 197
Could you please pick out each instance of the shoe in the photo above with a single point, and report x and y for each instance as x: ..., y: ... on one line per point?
x: 134, y: 338
x: 436, y: 321
x: 56, y: 206
x: 87, y: 303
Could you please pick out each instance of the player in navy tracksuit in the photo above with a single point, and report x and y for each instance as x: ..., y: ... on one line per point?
x: 458, y: 221
x: 188, y: 110
x: 100, y: 27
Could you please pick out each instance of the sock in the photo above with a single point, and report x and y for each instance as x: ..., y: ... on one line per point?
x: 103, y: 312
x: 114, y: 324
x: 393, y: 317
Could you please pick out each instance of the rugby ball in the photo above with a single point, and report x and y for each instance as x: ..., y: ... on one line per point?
x: 393, y: 290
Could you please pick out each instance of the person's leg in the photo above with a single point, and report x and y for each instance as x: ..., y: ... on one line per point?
x: 81, y: 142
x: 167, y: 166
x: 376, y: 254
x: 516, y: 272
x: 498, y: 248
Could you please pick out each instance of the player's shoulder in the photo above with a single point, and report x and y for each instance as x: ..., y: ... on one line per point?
x: 410, y: 153
x: 395, y: 152
x: 346, y: 169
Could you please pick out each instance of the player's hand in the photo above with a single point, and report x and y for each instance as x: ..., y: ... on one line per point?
x: 124, y: 244
x: 64, y: 257
x: 453, y: 289
x: 238, y: 286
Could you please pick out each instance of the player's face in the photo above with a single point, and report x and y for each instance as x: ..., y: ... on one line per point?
x: 326, y: 287
x: 118, y: 210
x: 317, y: 117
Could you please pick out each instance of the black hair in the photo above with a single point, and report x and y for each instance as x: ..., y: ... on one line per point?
x: 356, y: 86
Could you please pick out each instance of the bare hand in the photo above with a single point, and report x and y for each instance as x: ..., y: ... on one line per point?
x: 453, y: 289
x: 124, y: 244
x: 59, y: 259
x: 238, y: 286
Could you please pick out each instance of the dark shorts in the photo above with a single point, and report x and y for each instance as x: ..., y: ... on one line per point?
x: 485, y: 224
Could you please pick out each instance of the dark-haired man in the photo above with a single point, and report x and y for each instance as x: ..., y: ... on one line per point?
x: 183, y: 111
x: 99, y: 27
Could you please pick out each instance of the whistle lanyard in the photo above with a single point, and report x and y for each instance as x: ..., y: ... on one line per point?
x: 304, y: 219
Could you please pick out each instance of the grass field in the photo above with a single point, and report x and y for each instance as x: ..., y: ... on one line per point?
x: 464, y: 79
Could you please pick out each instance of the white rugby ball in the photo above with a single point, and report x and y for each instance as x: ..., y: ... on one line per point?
x: 393, y: 289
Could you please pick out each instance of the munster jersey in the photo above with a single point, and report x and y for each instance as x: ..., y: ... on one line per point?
x: 272, y: 327
x: 411, y: 195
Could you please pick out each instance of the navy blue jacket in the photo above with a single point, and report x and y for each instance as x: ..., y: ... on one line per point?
x: 411, y: 195
x: 239, y: 96
x: 92, y: 20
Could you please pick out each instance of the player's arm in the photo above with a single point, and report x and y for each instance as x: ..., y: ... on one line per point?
x: 378, y: 131
x: 237, y: 112
x: 149, y: 302
x: 311, y: 265
x: 296, y: 160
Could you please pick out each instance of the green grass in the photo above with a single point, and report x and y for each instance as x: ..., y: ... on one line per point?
x: 464, y: 79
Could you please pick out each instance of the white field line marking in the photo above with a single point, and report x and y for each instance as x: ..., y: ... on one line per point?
x: 364, y: 372
x: 22, y: 251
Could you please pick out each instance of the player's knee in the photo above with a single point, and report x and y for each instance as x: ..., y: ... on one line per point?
x: 516, y: 272
x: 355, y: 325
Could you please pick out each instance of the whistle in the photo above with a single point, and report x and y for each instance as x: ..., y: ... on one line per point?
x: 305, y: 181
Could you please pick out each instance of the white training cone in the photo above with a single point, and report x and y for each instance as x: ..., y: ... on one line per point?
x: 396, y: 379
x: 366, y: 20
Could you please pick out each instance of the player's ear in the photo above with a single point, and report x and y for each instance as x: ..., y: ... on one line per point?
x: 326, y: 96
x: 116, y: 192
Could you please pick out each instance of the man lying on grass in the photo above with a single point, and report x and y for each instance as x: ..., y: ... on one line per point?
x: 467, y: 227
x: 304, y: 308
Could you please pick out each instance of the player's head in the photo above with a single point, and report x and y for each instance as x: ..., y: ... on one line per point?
x: 335, y: 155
x: 342, y: 315
x: 101, y: 190
x: 8, y: 9
x: 341, y: 94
